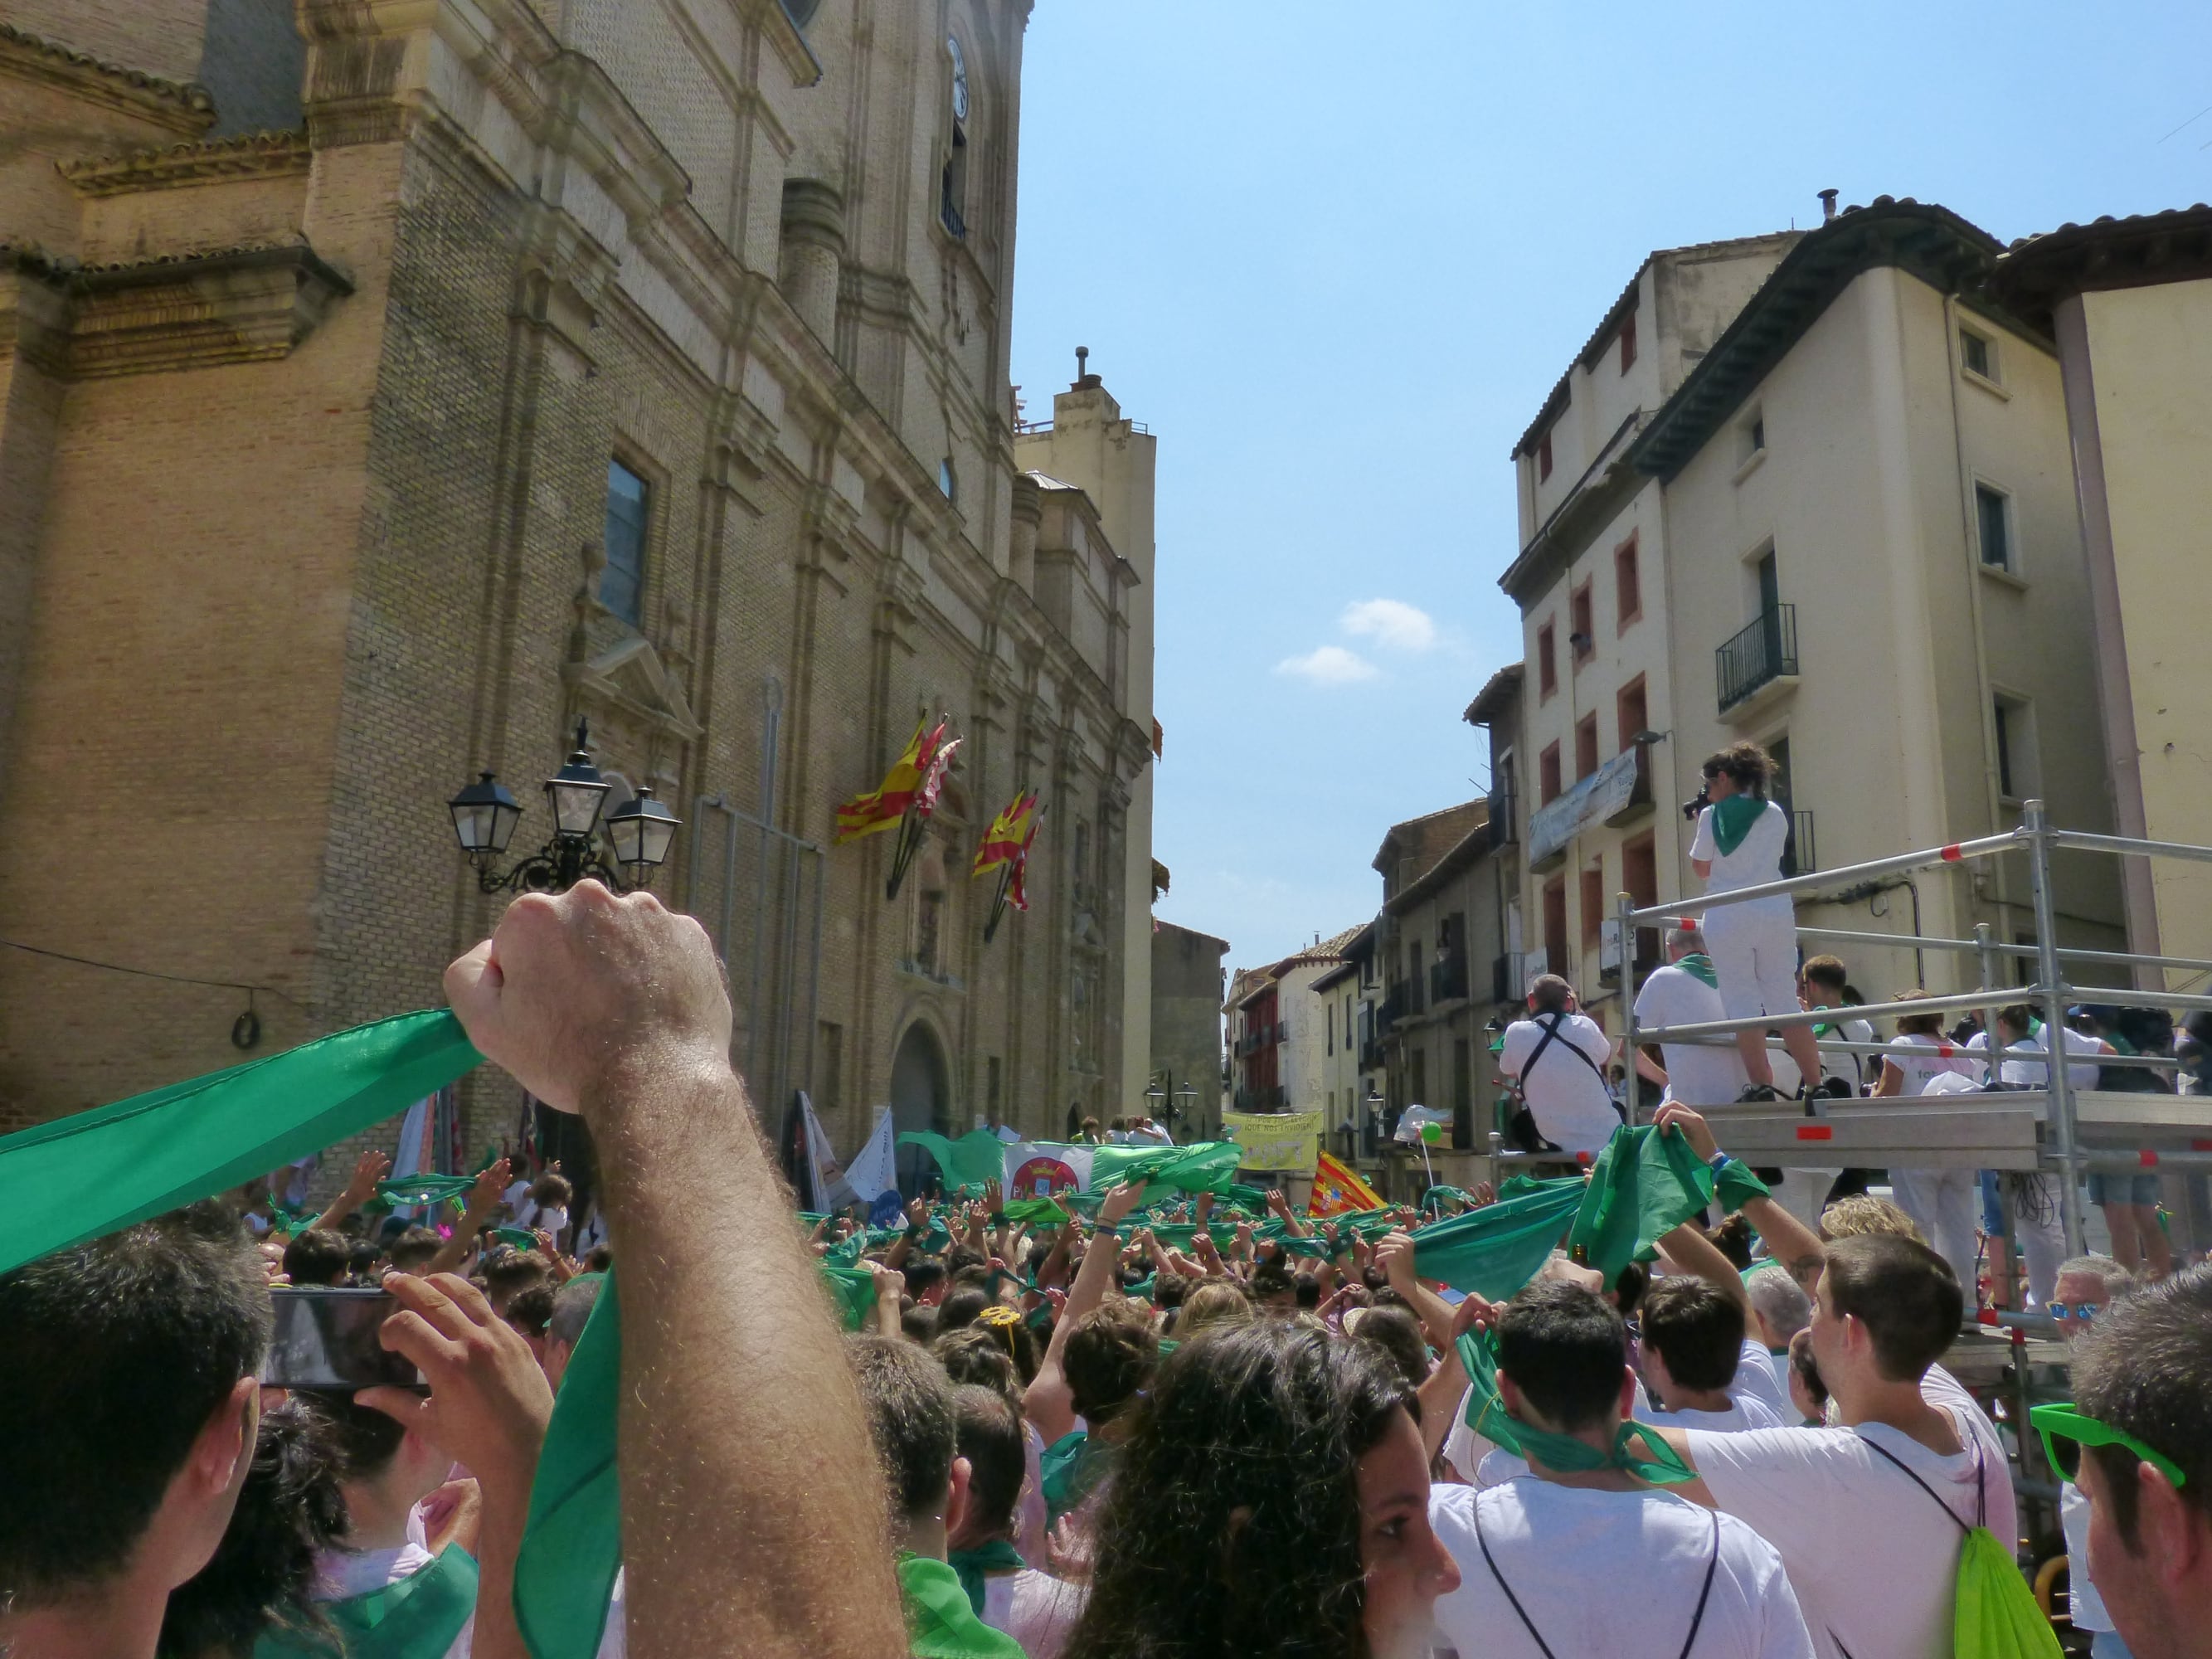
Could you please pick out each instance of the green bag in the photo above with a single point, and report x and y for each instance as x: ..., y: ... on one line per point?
x: 1993, y: 1612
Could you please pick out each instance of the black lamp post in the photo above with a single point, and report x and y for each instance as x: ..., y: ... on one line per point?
x: 640, y: 832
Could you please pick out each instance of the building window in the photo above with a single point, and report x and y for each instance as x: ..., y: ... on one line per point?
x: 1751, y: 439
x: 1993, y: 522
x: 1978, y: 354
x: 1586, y: 745
x: 1544, y: 458
x: 948, y: 480
x: 1628, y: 343
x: 1555, y: 925
x: 1640, y: 870
x: 2018, y: 774
x: 1627, y: 584
x: 1632, y: 708
x: 622, y: 582
x: 1329, y: 1013
x: 828, y: 1067
x: 952, y: 211
x: 1547, y: 774
x: 1593, y: 905
x: 1547, y: 663
x: 1582, y: 637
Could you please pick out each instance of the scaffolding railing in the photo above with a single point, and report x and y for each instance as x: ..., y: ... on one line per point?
x: 2051, y: 994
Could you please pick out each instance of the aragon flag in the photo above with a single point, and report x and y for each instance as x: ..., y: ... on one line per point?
x: 1006, y: 848
x: 917, y: 771
x: 1337, y: 1190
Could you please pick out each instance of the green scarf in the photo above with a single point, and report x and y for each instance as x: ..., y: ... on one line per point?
x: 1563, y: 1454
x: 974, y: 1566
x: 939, y: 1623
x: 415, y: 1618
x: 1733, y: 818
x: 1068, y: 1469
x: 1699, y: 966
x: 1495, y: 1250
x: 1032, y: 1211
x: 428, y: 1189
x: 854, y: 1291
x: 1643, y: 1185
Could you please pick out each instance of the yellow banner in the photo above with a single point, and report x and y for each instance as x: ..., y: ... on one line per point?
x: 1274, y: 1141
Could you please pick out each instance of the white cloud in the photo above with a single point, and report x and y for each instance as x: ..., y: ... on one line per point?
x: 1392, y: 623
x: 1329, y: 665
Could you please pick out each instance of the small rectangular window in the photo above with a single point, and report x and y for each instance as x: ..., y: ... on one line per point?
x: 1582, y: 629
x: 1974, y: 352
x: 1586, y: 745
x: 1547, y: 773
x: 1632, y: 708
x: 622, y: 583
x: 1628, y: 584
x: 1593, y: 905
x: 1544, y: 456
x: 1754, y: 434
x: 1628, y: 343
x: 1547, y: 664
x: 2018, y: 771
x: 1993, y: 520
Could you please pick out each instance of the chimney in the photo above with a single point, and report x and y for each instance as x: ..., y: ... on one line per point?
x: 1085, y: 379
x: 1827, y: 205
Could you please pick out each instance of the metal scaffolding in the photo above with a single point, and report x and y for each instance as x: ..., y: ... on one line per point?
x: 2034, y: 1128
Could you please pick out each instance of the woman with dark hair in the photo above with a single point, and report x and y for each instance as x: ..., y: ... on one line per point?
x: 1273, y: 1498
x: 1741, y: 838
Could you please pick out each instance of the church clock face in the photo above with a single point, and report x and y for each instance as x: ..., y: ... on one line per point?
x: 959, y: 78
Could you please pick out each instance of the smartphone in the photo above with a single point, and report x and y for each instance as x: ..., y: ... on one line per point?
x: 326, y: 1338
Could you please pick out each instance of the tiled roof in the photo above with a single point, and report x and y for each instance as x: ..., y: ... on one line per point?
x: 189, y: 94
x: 1489, y: 702
x: 2036, y: 272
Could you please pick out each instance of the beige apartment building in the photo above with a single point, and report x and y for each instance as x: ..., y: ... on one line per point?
x: 1597, y: 705
x: 1877, y: 572
x: 1354, y: 1071
x: 1278, y: 1041
x: 2129, y: 302
x: 644, y: 362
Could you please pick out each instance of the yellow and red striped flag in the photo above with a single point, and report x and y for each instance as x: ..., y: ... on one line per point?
x: 1337, y: 1190
x: 882, y: 808
x: 1007, y: 842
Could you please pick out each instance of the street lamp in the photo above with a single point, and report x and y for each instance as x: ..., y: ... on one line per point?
x: 641, y: 831
x: 1188, y: 1095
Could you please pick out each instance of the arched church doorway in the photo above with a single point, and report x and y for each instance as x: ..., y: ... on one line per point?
x: 922, y: 1099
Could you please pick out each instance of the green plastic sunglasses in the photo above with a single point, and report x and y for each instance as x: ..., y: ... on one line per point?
x: 2066, y: 1430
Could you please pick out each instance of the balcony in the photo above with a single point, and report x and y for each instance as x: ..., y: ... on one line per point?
x: 1282, y: 1034
x: 1649, y: 954
x: 1504, y: 832
x: 1370, y: 1055
x: 1639, y: 795
x: 1389, y: 1010
x: 1448, y: 979
x: 1261, y: 1100
x: 1508, y: 977
x: 1760, y: 664
x: 1799, y: 857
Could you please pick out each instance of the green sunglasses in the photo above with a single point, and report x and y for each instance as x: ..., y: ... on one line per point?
x: 2066, y: 1430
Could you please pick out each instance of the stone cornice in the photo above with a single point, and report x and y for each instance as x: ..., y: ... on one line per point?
x: 180, y: 105
x: 241, y: 305
x: 252, y: 155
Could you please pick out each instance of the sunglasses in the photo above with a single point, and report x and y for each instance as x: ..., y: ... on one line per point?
x: 2072, y: 1310
x: 2066, y: 1430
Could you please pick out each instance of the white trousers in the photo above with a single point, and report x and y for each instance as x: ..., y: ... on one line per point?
x: 2038, y: 1227
x: 1947, y: 1203
x: 1804, y: 1192
x: 1753, y: 948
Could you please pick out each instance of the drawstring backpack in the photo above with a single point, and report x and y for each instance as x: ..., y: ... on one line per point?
x: 1993, y: 1612
x: 1696, y: 1619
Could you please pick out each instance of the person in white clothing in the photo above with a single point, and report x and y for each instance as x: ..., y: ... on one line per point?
x: 2087, y: 1284
x: 2033, y: 1211
x: 1825, y: 983
x: 1557, y: 1056
x: 1037, y: 1610
x: 1943, y: 1201
x: 1740, y: 841
x: 1592, y: 1560
x: 1686, y: 991
x: 1779, y: 1309
x: 1691, y: 1352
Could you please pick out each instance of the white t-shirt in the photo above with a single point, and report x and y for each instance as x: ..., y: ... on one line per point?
x: 1746, y: 1411
x: 1035, y: 1608
x: 1698, y: 1074
x: 2074, y: 1520
x: 1755, y: 1380
x: 1567, y: 1098
x: 1838, y: 1062
x: 1924, y: 1058
x: 2036, y: 1072
x: 1757, y: 859
x: 517, y: 1193
x: 340, y: 1574
x: 1874, y: 1561
x: 1608, y: 1572
x: 1946, y: 1393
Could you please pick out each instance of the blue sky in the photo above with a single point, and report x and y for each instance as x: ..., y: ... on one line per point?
x: 1335, y: 256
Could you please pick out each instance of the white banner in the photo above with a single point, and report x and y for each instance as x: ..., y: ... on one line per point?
x: 874, y: 1168
x: 1600, y: 795
x: 832, y: 1191
x: 1039, y: 1171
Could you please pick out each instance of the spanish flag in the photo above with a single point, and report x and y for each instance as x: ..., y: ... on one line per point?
x: 882, y: 807
x: 1337, y: 1190
x: 1007, y: 842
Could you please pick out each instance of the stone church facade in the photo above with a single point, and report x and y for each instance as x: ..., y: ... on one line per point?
x: 385, y: 385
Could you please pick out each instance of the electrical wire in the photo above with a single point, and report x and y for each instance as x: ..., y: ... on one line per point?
x: 148, y: 973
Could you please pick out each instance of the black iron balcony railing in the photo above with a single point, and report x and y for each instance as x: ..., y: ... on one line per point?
x: 1389, y: 1010
x: 1505, y: 976
x: 1763, y: 652
x: 1448, y: 979
x: 1799, y: 856
x: 1503, y: 804
x: 1370, y: 1055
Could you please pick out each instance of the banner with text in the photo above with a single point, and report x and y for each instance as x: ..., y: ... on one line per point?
x: 1274, y: 1141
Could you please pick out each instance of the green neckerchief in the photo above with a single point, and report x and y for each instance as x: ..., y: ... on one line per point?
x: 1643, y: 1185
x: 1733, y: 818
x: 974, y: 1566
x: 1699, y: 966
x: 564, y: 1572
x: 1068, y: 1469
x: 429, y: 1188
x: 1437, y: 1195
x: 854, y: 1291
x: 521, y: 1237
x: 415, y: 1618
x: 939, y: 1623
x: 1563, y: 1454
x: 1495, y: 1250
x: 1034, y: 1210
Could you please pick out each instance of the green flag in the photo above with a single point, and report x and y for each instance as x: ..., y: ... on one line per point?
x: 427, y: 1188
x: 1497, y: 1249
x: 80, y: 1176
x: 1643, y: 1185
x: 970, y: 1161
x: 1035, y: 1210
x: 564, y: 1573
x: 520, y: 1237
x: 854, y: 1291
x: 1205, y: 1167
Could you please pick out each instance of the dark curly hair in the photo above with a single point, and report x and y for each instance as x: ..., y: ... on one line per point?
x: 1744, y: 764
x: 1233, y: 1524
x: 262, y: 1575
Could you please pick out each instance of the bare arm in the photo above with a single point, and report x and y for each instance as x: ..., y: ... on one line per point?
x: 1046, y: 1402
x: 1689, y: 1250
x: 1446, y: 1385
x: 1395, y: 1253
x: 1648, y: 1068
x: 735, y: 1393
x: 1792, y: 1243
x: 483, y: 1199
x: 1893, y: 1081
x: 371, y: 1168
x: 1281, y: 1206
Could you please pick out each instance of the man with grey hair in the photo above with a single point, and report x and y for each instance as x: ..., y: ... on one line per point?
x: 1779, y: 1309
x: 2086, y: 1285
x: 572, y: 1308
x: 1684, y: 992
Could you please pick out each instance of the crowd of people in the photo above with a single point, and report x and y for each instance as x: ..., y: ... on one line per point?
x: 1164, y: 1428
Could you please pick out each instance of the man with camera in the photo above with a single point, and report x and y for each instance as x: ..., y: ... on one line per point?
x: 1557, y: 1056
